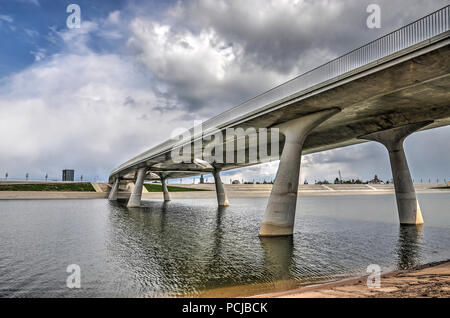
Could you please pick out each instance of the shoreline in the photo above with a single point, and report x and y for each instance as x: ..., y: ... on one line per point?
x: 262, y: 191
x: 426, y: 281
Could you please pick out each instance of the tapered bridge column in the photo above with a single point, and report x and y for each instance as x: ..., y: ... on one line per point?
x: 280, y: 212
x: 222, y: 199
x: 164, y: 188
x: 408, y: 207
x: 114, y: 190
x: 136, y: 195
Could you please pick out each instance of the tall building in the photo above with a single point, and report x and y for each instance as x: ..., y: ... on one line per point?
x: 68, y: 175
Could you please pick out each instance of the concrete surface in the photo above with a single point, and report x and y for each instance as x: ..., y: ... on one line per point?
x: 424, y: 281
x: 233, y: 191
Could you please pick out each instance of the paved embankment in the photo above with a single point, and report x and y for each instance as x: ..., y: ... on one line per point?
x: 233, y: 191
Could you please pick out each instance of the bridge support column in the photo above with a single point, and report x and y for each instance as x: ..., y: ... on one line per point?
x: 114, y: 190
x: 407, y: 204
x: 280, y: 212
x: 135, y: 198
x: 222, y: 199
x: 165, y: 190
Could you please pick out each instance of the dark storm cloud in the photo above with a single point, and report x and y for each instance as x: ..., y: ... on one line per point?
x: 269, y: 41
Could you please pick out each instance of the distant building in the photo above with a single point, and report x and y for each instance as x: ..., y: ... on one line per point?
x: 375, y: 180
x: 68, y: 175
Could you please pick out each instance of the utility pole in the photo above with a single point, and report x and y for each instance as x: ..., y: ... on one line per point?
x: 27, y: 176
x: 340, y: 177
x: 46, y: 177
x: 6, y: 176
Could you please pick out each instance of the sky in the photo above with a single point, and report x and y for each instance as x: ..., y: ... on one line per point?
x: 92, y: 97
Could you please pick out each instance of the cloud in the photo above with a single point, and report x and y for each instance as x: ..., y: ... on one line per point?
x: 38, y: 54
x: 31, y: 33
x: 33, y: 2
x: 213, y: 55
x: 200, y: 70
x: 74, y: 110
x: 6, y: 18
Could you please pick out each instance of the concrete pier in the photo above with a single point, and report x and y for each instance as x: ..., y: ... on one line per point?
x: 135, y: 198
x: 408, y: 207
x: 164, y: 189
x: 113, y: 193
x: 222, y: 199
x: 280, y: 212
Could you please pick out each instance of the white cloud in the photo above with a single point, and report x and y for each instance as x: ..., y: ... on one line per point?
x: 31, y: 33
x: 38, y: 54
x: 33, y: 2
x: 83, y: 110
x: 6, y: 18
x: 201, y: 69
x: 114, y: 17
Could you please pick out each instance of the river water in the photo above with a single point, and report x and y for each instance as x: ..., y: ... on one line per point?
x: 192, y: 247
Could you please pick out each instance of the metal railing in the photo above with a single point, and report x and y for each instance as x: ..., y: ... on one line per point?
x: 428, y: 27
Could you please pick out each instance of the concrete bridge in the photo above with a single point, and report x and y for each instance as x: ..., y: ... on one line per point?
x: 383, y: 91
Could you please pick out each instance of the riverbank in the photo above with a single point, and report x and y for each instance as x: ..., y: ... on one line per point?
x: 207, y: 191
x: 431, y: 280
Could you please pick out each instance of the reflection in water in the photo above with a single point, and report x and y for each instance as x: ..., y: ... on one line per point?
x: 278, y: 256
x: 193, y: 247
x: 218, y: 235
x: 409, y: 246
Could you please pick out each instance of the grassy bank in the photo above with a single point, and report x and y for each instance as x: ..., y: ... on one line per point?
x: 57, y: 187
x: 154, y: 187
